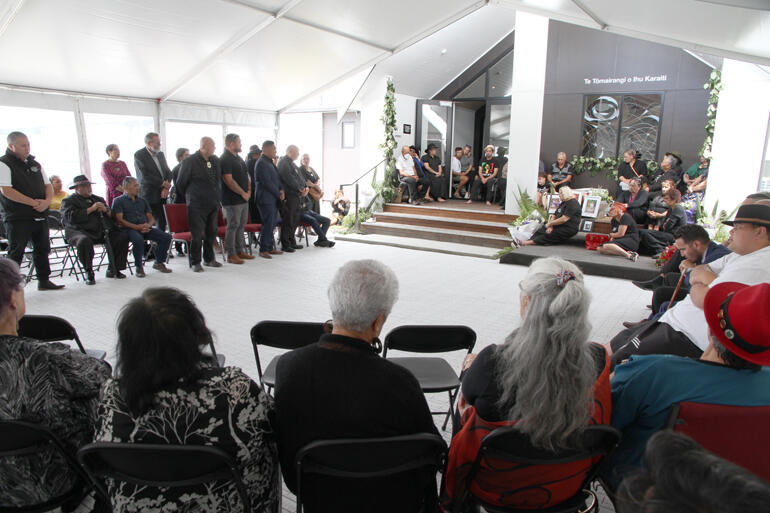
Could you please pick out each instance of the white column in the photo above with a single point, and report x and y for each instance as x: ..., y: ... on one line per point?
x: 80, y: 126
x: 739, y: 134
x: 530, y: 49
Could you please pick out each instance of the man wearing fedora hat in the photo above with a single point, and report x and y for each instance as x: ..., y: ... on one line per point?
x: 88, y: 221
x: 681, y: 330
x: 733, y: 371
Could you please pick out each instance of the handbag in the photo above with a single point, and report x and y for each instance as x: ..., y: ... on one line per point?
x: 594, y: 240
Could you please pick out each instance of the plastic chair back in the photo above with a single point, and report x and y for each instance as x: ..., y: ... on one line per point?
x: 285, y: 335
x: 161, y: 466
x: 430, y: 339
x: 48, y: 328
x: 176, y: 217
x: 711, y: 426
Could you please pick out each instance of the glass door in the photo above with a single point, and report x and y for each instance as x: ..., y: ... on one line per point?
x: 434, y: 126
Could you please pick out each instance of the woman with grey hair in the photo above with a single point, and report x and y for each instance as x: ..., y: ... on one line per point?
x: 562, y: 224
x: 341, y: 388
x: 547, y: 380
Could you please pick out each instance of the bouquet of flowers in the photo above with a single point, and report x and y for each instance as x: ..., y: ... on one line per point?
x: 665, y: 256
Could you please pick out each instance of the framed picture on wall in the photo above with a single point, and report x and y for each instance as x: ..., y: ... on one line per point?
x: 407, y: 129
x: 553, y: 203
x: 591, y: 206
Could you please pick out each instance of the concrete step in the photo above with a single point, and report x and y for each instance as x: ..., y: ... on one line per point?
x: 434, y: 246
x: 497, y: 228
x: 488, y: 240
x: 449, y: 212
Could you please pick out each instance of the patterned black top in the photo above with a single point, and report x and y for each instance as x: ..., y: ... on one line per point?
x: 49, y: 384
x: 222, y: 408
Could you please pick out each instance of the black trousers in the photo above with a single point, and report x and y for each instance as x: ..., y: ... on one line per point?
x: 664, y: 293
x: 203, y: 227
x: 84, y: 244
x: 20, y: 232
x: 652, y: 242
x: 290, y: 210
x: 652, y: 337
x: 489, y: 189
x: 158, y: 216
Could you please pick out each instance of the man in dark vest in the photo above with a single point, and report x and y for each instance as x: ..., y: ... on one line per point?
x: 26, y: 195
x: 154, y: 177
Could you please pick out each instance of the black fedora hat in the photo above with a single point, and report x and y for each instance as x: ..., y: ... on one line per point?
x: 754, y: 214
x: 80, y: 180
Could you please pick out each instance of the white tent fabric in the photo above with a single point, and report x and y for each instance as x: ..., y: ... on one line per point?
x: 273, y: 55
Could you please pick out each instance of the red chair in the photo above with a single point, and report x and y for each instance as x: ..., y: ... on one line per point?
x: 731, y: 432
x: 176, y: 219
x: 221, y: 231
x: 252, y: 229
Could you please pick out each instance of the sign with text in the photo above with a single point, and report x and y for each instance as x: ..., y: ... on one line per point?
x: 632, y: 79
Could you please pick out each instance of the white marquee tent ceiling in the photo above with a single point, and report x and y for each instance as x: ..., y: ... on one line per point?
x: 277, y: 54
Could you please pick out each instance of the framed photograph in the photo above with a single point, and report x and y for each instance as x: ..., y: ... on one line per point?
x: 578, y: 196
x: 587, y: 226
x: 553, y: 203
x: 407, y: 129
x: 591, y: 206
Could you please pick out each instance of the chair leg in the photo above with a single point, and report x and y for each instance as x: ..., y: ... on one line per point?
x: 449, y: 411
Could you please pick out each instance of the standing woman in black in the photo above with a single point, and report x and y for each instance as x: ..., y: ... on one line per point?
x: 632, y: 167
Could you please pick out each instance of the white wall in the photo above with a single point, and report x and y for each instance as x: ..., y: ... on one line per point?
x: 739, y: 134
x: 406, y: 107
x: 341, y: 165
x: 304, y: 130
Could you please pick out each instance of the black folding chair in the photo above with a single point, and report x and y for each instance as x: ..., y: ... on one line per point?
x: 434, y: 374
x: 364, y: 458
x: 19, y: 438
x: 283, y: 335
x: 49, y: 328
x: 507, y: 449
x: 160, y: 466
x: 217, y: 357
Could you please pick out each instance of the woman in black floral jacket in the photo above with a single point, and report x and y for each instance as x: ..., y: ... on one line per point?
x: 168, y: 392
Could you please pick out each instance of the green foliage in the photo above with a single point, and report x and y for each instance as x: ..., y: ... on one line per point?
x: 386, y: 191
x: 608, y: 166
x: 504, y: 251
x: 713, y: 86
x: 714, y: 222
x: 349, y: 221
x: 527, y: 207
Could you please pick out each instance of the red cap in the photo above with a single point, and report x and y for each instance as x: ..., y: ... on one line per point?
x: 739, y: 317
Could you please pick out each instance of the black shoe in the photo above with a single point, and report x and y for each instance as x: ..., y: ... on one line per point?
x: 48, y: 285
x: 287, y: 249
x: 112, y: 274
x: 321, y: 243
x: 90, y: 278
x: 197, y: 268
x: 298, y: 246
x: 330, y: 243
x: 140, y: 272
x: 630, y: 324
x: 213, y: 263
x: 649, y: 284
x: 119, y: 275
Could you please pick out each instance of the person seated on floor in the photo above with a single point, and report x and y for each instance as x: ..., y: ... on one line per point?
x: 88, y: 221
x: 636, y: 200
x: 656, y: 212
x: 681, y: 330
x: 167, y: 390
x: 632, y: 167
x: 733, y: 370
x: 655, y: 241
x: 562, y: 224
x: 694, y: 247
x: 543, y: 190
x: 320, y: 224
x: 624, y: 239
x: 58, y: 192
x: 561, y: 172
x: 47, y: 384
x: 434, y: 170
x: 134, y: 217
x: 341, y: 388
x: 547, y: 380
x: 467, y: 171
x: 680, y: 475
x: 340, y: 206
x: 486, y: 180
x: 407, y: 175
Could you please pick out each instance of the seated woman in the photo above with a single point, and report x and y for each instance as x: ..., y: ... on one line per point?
x: 636, y: 200
x: 169, y: 392
x: 562, y: 224
x: 58, y: 192
x: 340, y: 207
x: 631, y: 167
x: 47, y: 384
x: 547, y: 380
x: 341, y: 388
x: 658, y: 208
x: 624, y: 239
x: 696, y: 171
x: 653, y: 242
x: 543, y: 189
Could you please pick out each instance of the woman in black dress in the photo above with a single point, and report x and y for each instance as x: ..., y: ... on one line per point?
x: 632, y: 167
x: 624, y: 239
x: 562, y: 224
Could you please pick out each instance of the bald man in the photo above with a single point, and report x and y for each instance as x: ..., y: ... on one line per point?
x: 294, y: 188
x: 200, y: 182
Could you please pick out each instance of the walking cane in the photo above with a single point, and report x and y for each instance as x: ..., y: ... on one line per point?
x: 107, y: 244
x: 676, y: 290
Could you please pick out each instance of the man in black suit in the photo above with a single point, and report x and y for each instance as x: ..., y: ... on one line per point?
x: 294, y: 188
x: 154, y: 177
x: 268, y: 194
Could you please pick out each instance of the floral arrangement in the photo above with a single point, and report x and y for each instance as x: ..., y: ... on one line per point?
x: 713, y: 86
x: 608, y: 166
x: 714, y: 222
x: 528, y: 210
x: 665, y: 256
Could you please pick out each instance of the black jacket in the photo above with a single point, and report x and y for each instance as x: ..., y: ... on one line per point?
x: 74, y: 215
x: 149, y: 176
x: 290, y: 181
x: 200, y: 182
x: 267, y: 182
x: 27, y: 178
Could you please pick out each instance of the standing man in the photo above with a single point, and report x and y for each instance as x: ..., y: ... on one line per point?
x: 294, y: 188
x: 154, y: 177
x: 26, y: 195
x: 432, y: 163
x: 88, y: 221
x: 269, y: 195
x: 133, y: 215
x: 200, y: 181
x: 235, y: 199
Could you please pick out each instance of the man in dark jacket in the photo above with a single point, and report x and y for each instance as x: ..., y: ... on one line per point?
x: 154, y: 177
x: 200, y: 183
x: 268, y: 194
x: 294, y: 188
x: 88, y: 221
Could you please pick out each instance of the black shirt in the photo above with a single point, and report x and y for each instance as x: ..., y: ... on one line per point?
x: 74, y: 216
x: 340, y: 388
x: 675, y: 217
x: 487, y: 167
x: 290, y: 180
x: 626, y: 171
x: 433, y: 162
x: 631, y: 231
x: 234, y: 166
x: 309, y: 175
x: 200, y: 181
x: 27, y: 178
x: 570, y: 208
